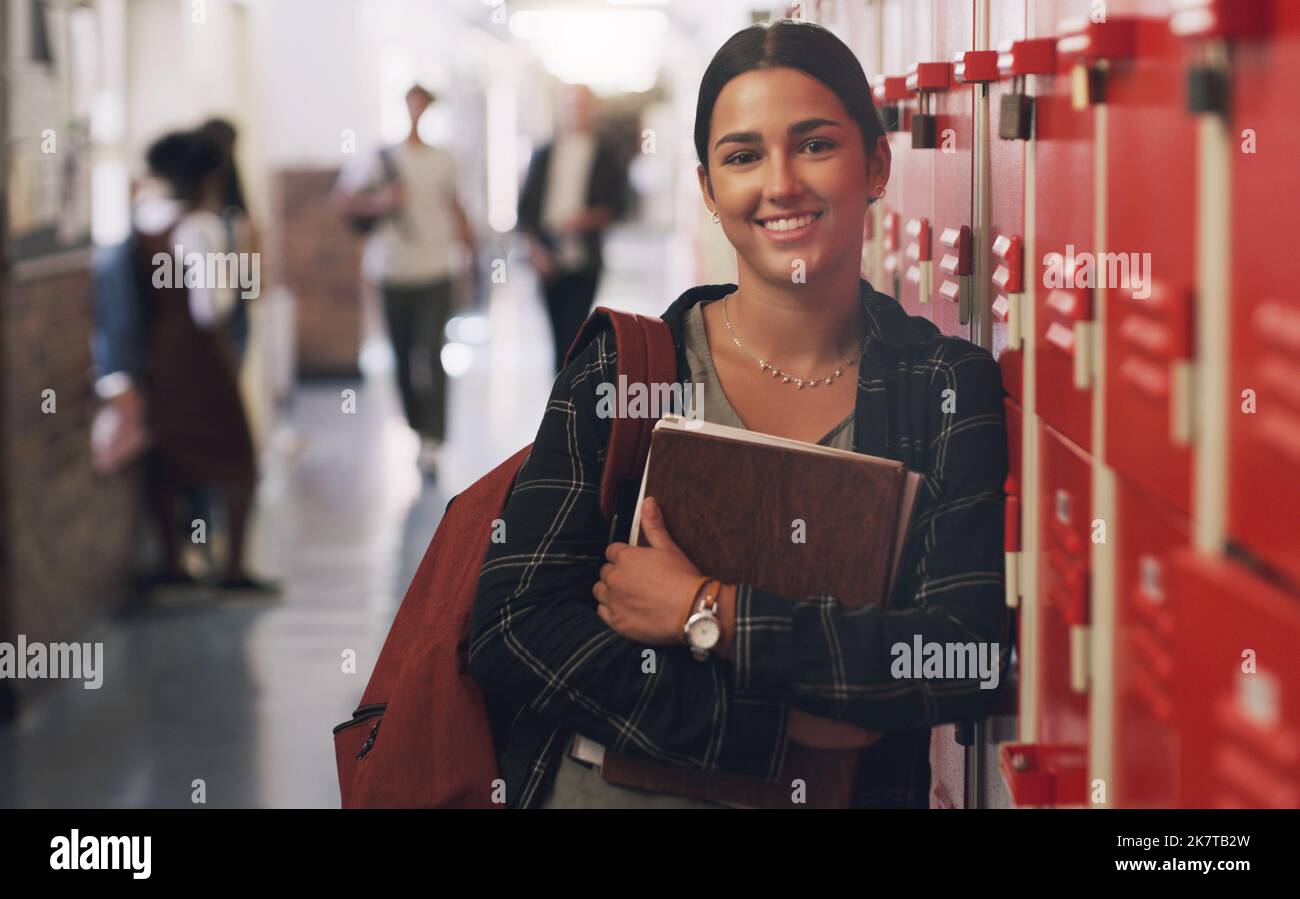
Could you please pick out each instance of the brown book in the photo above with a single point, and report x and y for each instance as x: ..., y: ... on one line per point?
x: 791, y: 517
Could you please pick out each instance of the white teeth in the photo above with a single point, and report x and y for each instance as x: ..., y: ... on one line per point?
x: 789, y: 224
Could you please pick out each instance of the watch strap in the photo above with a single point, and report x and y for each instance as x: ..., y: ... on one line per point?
x: 690, y: 606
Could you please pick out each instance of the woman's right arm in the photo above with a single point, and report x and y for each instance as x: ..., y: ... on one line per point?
x: 535, y: 636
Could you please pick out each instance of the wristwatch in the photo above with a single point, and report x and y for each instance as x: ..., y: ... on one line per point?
x: 703, y: 628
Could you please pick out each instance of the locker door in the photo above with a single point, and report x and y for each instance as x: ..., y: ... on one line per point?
x: 892, y: 99
x: 952, y: 160
x: 1237, y: 699
x: 1064, y: 209
x: 944, y: 270
x: 1014, y: 489
x: 1264, y: 445
x: 861, y: 31
x: 1007, y: 196
x: 1151, y: 217
x: 859, y: 27
x: 1053, y: 770
x: 912, y: 183
x: 1013, y: 544
x: 891, y: 95
x: 1065, y: 532
x: 1148, y: 533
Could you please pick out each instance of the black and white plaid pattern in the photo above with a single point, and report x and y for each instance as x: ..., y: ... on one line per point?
x: 550, y: 667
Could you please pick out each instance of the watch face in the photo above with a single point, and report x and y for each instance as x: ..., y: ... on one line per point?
x: 704, y: 633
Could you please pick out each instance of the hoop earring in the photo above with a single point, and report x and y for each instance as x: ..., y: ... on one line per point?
x: 714, y: 217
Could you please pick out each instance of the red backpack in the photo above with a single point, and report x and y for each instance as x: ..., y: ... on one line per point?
x: 421, y: 736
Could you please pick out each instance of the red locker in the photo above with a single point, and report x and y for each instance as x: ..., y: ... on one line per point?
x: 1053, y: 770
x: 1014, y: 489
x: 1238, y: 687
x: 1151, y: 266
x: 1008, y: 283
x: 1007, y: 197
x: 858, y: 25
x: 1064, y: 541
x: 1148, y: 533
x: 952, y: 160
x: 1064, y: 209
x: 1264, y: 445
x: 891, y: 256
x: 908, y: 25
x: 1013, y: 529
x: 891, y: 94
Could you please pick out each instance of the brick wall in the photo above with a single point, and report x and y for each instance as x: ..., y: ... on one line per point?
x: 318, y: 259
x: 67, y: 537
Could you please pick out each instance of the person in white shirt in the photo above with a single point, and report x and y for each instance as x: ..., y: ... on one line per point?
x: 196, y: 418
x: 410, y: 191
x: 575, y: 187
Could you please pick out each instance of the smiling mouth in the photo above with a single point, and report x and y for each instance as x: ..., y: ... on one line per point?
x: 782, y: 224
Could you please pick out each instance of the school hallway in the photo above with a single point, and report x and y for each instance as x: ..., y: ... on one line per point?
x: 241, y: 694
x: 215, y: 210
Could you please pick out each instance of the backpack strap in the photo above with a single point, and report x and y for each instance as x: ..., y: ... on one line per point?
x: 646, y: 355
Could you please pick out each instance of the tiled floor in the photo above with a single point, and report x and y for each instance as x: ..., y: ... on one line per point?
x: 242, y: 695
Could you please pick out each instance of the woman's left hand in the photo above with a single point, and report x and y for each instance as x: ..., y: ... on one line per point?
x: 643, y: 591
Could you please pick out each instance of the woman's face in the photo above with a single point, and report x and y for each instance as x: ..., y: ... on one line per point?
x: 782, y: 148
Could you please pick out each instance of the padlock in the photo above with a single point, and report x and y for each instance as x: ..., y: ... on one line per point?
x: 1016, y: 117
x: 891, y: 117
x: 1207, y: 90
x: 923, y: 131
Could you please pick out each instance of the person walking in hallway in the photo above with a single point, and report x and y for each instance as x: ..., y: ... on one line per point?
x: 574, y: 189
x: 407, y: 196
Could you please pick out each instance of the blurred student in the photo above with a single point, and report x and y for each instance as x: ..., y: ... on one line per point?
x: 191, y: 391
x: 405, y: 197
x: 229, y: 200
x: 574, y: 189
x: 119, y: 433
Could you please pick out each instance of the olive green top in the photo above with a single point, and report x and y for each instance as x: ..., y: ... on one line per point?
x: 716, y: 407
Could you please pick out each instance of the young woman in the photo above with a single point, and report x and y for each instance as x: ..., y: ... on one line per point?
x: 195, y: 413
x: 791, y: 154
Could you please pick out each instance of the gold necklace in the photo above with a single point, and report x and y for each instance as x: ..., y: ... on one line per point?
x: 786, y: 377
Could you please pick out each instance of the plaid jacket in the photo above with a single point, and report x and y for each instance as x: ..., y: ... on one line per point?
x: 549, y: 667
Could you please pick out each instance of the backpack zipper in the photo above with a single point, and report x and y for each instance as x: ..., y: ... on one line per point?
x: 370, y: 740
